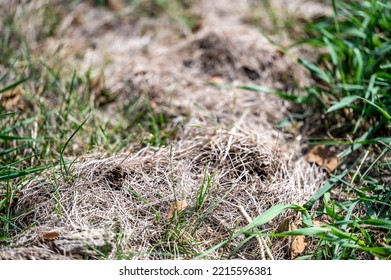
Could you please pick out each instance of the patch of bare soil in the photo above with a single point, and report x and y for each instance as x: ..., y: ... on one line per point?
x: 123, y: 201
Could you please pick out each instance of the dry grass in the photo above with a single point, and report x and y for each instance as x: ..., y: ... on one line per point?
x: 116, y: 206
x: 131, y: 196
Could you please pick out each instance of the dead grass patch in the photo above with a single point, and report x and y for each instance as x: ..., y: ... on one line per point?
x: 127, y: 198
x: 227, y: 153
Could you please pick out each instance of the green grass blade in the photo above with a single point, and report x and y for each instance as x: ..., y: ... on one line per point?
x: 316, y: 70
x: 357, y: 144
x: 19, y: 138
x: 381, y: 110
x: 386, y: 224
x: 8, y: 175
x: 311, y: 231
x: 383, y: 251
x: 359, y: 64
x: 211, y: 250
x: 12, y: 86
x: 344, y: 102
x: 8, y: 71
x: 283, y: 95
x: 333, y: 53
x: 335, y: 16
x: 62, y: 160
x: 266, y: 216
x: 18, y: 125
x: 316, y: 196
x: 262, y: 219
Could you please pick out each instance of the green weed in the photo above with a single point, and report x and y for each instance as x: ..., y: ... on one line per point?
x: 352, y: 99
x: 13, y: 170
x: 354, y: 75
x: 353, y: 87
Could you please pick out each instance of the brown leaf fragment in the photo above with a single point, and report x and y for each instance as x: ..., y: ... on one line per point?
x: 12, y: 99
x: 298, y: 243
x: 178, y: 206
x: 285, y: 225
x: 298, y: 246
x: 322, y: 156
x: 317, y: 223
x: 52, y: 235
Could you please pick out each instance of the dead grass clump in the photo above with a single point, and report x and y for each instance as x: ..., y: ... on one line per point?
x: 235, y: 56
x: 224, y: 159
x: 59, y: 244
x: 118, y: 206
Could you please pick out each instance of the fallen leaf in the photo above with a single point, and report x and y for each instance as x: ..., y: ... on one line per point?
x: 12, y: 100
x: 285, y: 225
x: 216, y: 80
x: 317, y: 223
x: 298, y: 246
x: 178, y: 206
x: 298, y: 243
x: 50, y: 235
x: 322, y: 156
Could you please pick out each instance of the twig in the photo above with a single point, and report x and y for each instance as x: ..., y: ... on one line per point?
x: 261, y: 241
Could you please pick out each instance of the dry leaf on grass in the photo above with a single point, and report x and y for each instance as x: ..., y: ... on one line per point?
x: 298, y: 246
x: 285, y: 225
x: 12, y: 100
x: 322, y: 156
x: 298, y: 243
x: 317, y: 223
x: 178, y: 206
x: 50, y: 235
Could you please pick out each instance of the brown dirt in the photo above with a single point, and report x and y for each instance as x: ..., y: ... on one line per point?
x: 228, y: 132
